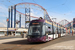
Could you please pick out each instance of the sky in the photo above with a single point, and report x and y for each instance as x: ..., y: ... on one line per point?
x: 59, y: 9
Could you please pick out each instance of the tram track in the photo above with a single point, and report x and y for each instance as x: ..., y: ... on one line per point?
x: 25, y: 45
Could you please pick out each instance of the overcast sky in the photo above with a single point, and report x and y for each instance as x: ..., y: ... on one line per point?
x: 60, y: 9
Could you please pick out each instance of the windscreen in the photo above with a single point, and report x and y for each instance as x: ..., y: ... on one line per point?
x: 34, y: 30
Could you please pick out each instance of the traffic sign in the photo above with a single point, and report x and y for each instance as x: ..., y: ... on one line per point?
x: 15, y: 29
x: 7, y: 20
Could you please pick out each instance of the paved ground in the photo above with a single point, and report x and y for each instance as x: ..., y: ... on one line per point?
x: 11, y: 40
x: 9, y: 37
x: 64, y: 43
x: 67, y: 42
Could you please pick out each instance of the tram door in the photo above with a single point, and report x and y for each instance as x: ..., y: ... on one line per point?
x: 46, y: 32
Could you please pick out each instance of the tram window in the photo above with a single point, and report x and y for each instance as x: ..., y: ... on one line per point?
x: 49, y: 27
x: 46, y: 28
x: 59, y: 30
x: 63, y: 30
x: 43, y: 30
x: 34, y: 30
x: 54, y: 29
x: 49, y: 30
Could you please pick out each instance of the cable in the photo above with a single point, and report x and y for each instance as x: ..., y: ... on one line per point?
x: 64, y: 3
x: 4, y: 4
x: 3, y: 13
x: 59, y: 5
x: 10, y: 1
x: 2, y: 1
x: 34, y: 1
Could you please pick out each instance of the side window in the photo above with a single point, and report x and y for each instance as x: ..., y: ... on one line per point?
x: 49, y: 30
x: 63, y: 31
x: 43, y: 30
x: 46, y: 29
x: 54, y: 29
x: 29, y: 30
x: 59, y: 30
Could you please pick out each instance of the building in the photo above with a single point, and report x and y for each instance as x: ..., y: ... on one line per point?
x: 11, y: 31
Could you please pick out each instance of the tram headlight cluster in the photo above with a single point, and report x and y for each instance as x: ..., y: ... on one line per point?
x: 38, y: 37
x: 28, y: 36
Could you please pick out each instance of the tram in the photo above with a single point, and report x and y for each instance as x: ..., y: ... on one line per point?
x: 43, y: 30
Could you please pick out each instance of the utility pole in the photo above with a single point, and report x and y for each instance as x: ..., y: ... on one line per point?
x: 7, y: 26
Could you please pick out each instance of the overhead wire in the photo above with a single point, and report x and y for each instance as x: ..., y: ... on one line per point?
x: 1, y: 8
x: 4, y: 4
x: 10, y: 1
x: 59, y: 5
x: 34, y: 1
x: 4, y: 14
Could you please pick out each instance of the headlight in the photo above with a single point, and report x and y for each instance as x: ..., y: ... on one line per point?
x: 28, y: 36
x: 38, y: 37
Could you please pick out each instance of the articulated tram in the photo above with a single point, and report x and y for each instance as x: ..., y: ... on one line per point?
x: 42, y: 31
